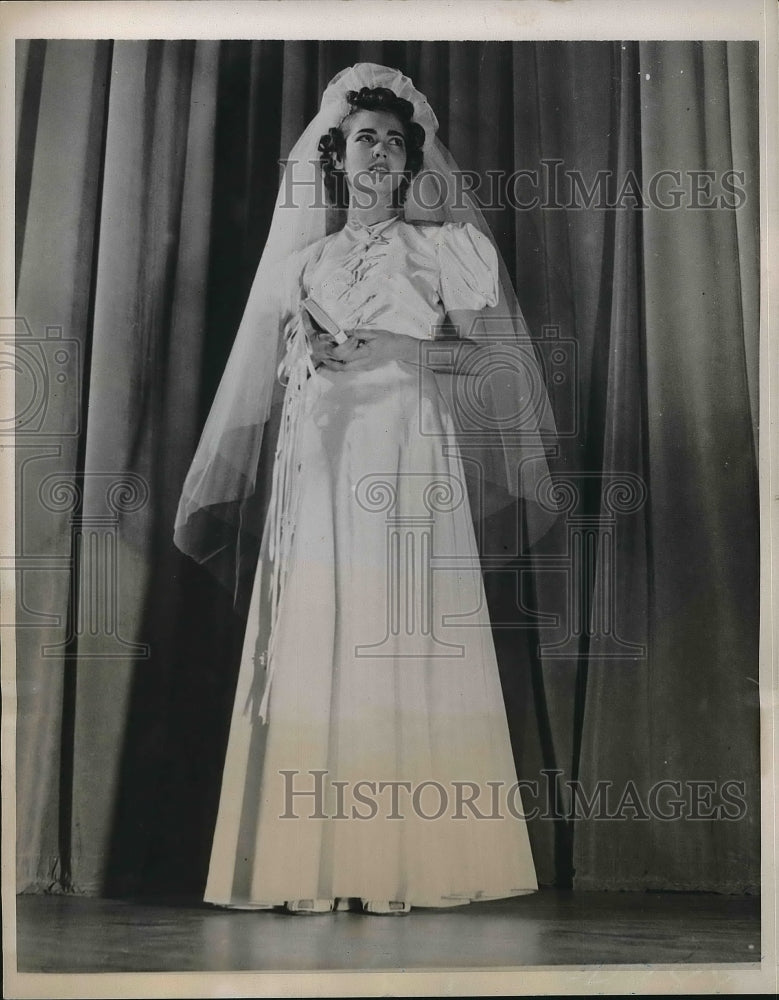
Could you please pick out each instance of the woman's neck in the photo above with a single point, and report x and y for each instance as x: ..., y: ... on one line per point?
x: 370, y: 215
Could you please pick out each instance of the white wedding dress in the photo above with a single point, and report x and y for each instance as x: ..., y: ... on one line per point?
x: 384, y: 664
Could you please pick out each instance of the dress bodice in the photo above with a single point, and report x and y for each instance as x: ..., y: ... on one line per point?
x: 401, y: 277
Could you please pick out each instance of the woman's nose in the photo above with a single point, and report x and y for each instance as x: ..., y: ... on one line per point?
x: 379, y: 150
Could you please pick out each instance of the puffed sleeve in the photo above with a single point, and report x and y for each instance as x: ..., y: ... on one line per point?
x: 468, y: 267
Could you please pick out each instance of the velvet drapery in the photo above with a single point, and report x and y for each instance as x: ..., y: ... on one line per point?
x: 146, y: 175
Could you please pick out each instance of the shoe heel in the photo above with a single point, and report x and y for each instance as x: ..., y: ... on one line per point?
x: 309, y: 905
x: 386, y: 907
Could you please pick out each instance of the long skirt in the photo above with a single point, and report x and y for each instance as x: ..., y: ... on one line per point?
x: 384, y: 769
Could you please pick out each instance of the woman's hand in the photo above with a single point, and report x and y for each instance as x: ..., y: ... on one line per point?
x: 375, y: 347
x: 328, y: 354
x: 323, y: 350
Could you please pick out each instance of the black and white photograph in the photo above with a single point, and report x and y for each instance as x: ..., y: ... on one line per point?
x: 388, y: 536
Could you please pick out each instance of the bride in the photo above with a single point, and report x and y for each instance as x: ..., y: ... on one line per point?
x: 369, y: 761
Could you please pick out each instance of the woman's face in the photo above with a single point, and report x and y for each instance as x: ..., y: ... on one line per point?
x: 375, y: 154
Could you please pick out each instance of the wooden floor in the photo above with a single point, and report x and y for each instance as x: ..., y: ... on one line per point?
x: 76, y: 934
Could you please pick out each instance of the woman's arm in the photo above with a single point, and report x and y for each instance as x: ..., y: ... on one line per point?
x: 462, y: 345
x: 461, y: 322
x: 367, y: 348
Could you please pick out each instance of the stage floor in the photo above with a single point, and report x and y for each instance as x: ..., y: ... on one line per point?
x: 551, y: 927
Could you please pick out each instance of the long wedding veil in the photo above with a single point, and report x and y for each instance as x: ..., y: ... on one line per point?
x: 500, y: 405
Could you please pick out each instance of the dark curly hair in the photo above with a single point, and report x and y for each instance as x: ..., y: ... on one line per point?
x: 333, y: 144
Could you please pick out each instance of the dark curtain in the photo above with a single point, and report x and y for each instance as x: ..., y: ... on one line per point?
x: 146, y: 175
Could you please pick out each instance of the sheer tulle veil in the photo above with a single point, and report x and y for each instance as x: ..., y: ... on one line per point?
x: 499, y: 402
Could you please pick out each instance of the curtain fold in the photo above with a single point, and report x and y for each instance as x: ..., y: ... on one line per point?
x: 615, y: 684
x: 146, y: 176
x: 742, y: 125
x: 146, y: 349
x: 57, y: 181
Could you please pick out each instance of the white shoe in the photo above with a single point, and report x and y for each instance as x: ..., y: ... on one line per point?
x: 385, y: 906
x: 309, y: 905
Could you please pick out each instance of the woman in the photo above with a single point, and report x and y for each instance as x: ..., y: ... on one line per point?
x: 384, y: 773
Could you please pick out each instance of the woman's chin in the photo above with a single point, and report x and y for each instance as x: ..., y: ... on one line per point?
x: 372, y: 183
